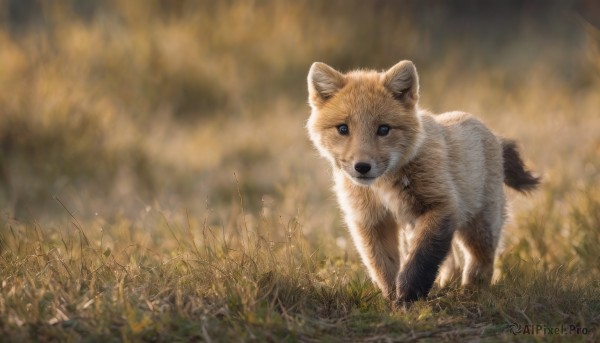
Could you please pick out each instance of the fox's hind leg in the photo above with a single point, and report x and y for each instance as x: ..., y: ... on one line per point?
x: 479, y: 240
x: 450, y: 269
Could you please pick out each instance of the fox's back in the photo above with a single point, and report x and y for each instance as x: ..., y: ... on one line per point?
x: 474, y: 158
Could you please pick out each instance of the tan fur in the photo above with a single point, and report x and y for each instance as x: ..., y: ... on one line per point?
x: 433, y: 180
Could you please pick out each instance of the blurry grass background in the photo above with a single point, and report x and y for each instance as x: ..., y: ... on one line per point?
x: 162, y: 129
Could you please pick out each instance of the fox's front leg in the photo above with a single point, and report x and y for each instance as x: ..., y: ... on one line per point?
x: 429, y: 247
x: 376, y: 239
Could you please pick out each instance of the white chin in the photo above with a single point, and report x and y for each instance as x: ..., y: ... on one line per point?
x: 363, y: 181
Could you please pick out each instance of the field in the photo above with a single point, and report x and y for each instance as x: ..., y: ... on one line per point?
x: 157, y: 182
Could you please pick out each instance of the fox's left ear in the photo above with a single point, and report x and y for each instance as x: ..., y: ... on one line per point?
x: 403, y: 82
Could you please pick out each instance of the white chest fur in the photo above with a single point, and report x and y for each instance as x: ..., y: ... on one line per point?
x: 391, y: 198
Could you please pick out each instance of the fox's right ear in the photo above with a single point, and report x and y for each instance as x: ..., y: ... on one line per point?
x: 323, y: 83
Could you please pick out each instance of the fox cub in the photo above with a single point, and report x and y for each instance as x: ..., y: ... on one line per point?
x: 422, y: 194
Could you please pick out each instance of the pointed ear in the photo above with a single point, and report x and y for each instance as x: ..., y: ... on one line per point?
x: 403, y: 82
x: 323, y: 83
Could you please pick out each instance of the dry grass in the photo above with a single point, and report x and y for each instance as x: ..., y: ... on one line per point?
x: 157, y: 184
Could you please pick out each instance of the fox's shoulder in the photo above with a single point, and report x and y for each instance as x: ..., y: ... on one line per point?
x: 447, y: 119
x: 454, y: 118
x: 453, y: 133
x: 463, y: 123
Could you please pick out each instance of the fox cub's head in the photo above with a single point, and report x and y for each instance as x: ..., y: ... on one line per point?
x: 366, y: 123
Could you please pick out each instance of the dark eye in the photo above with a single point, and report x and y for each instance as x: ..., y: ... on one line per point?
x: 383, y: 130
x: 343, y: 129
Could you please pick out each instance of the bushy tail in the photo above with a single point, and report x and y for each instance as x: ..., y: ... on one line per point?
x: 515, y: 174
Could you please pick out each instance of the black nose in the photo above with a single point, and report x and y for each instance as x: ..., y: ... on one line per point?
x: 362, y: 167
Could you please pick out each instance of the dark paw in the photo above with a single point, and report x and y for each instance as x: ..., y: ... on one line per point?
x: 405, y: 298
x: 408, y: 295
x: 401, y: 305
